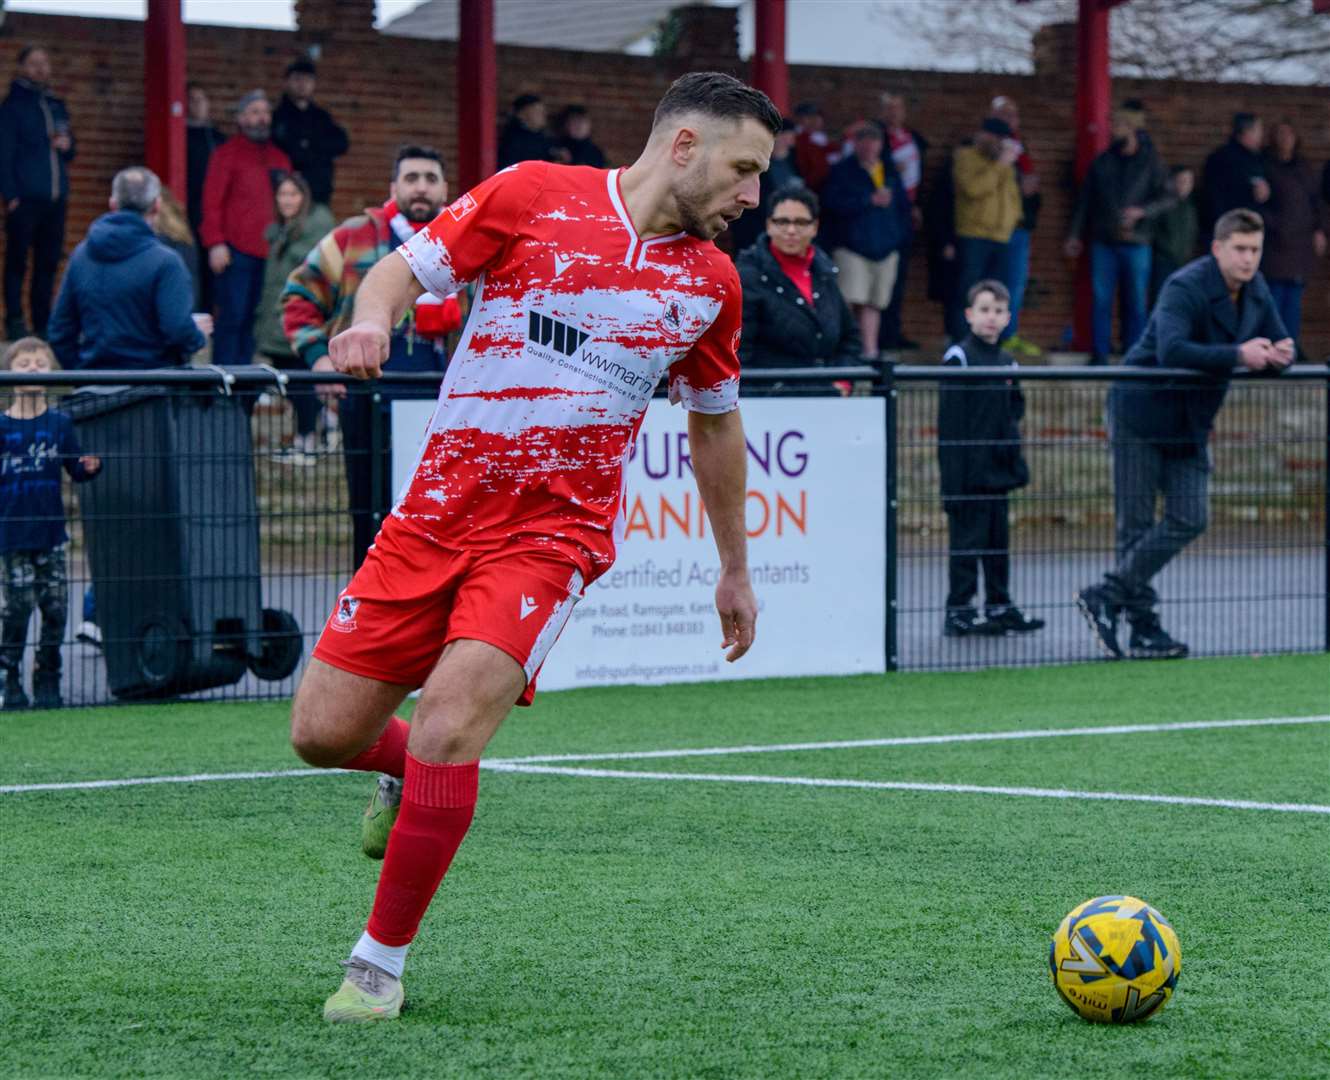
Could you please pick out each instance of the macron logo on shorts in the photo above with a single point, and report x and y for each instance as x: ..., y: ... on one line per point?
x: 529, y: 606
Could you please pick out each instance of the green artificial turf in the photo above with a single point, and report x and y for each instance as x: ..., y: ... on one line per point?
x: 605, y: 927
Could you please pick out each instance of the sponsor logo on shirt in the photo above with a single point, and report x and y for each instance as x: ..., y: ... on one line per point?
x: 561, y: 264
x: 529, y: 607
x: 601, y: 363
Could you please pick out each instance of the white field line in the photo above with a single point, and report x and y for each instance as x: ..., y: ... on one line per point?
x: 141, y: 781
x: 528, y: 764
x: 913, y: 740
x: 901, y: 785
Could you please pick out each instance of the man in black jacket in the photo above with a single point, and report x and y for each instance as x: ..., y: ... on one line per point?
x: 1214, y: 315
x: 36, y: 147
x: 979, y: 456
x: 1124, y: 192
x: 793, y: 312
x: 308, y: 133
x: 524, y: 137
x: 1234, y: 177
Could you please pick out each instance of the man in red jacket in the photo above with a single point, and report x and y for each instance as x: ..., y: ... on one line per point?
x: 237, y: 208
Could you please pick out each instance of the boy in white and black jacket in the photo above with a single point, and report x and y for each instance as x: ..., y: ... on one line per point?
x: 979, y: 453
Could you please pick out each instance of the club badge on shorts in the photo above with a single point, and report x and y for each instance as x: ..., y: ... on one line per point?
x: 344, y: 618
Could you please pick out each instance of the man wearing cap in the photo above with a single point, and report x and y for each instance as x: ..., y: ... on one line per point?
x: 1124, y: 192
x: 988, y: 203
x: 524, y: 137
x: 307, y: 133
x: 237, y: 208
x: 866, y: 216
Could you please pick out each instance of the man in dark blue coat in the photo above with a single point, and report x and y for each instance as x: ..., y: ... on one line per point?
x: 127, y: 298
x: 866, y: 223
x: 1214, y: 315
x: 36, y: 146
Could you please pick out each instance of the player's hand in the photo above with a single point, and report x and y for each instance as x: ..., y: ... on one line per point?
x: 1260, y: 189
x: 1256, y: 353
x: 737, y: 607
x: 219, y: 258
x: 1284, y: 351
x: 361, y: 350
x: 91, y: 463
x: 327, y: 392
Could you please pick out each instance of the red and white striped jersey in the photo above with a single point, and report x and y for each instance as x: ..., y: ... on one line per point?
x: 574, y: 322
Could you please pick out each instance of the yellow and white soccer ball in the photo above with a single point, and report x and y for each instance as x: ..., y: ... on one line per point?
x: 1115, y: 960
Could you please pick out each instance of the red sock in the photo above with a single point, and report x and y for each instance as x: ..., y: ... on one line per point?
x: 388, y: 755
x: 437, y: 804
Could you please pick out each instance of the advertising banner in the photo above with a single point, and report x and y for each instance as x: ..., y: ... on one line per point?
x: 815, y: 511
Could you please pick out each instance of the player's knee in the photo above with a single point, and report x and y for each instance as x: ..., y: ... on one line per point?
x: 313, y: 743
x: 447, y: 732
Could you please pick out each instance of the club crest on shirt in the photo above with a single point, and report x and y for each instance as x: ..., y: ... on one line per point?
x: 671, y: 319
x: 344, y: 618
x: 462, y: 207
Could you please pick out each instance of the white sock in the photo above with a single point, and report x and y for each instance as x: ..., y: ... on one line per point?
x: 389, y: 958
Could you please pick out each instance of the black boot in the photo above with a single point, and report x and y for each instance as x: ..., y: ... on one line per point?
x: 15, y: 698
x: 1150, y: 641
x: 967, y: 622
x: 46, y: 690
x: 1012, y: 620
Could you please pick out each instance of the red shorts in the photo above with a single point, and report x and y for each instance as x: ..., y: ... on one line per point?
x: 411, y: 597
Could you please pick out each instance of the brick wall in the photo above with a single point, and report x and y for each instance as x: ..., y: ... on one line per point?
x: 387, y: 90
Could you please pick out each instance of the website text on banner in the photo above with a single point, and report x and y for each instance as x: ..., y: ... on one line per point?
x: 816, y: 485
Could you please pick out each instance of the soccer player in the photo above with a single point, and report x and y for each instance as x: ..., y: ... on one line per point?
x: 592, y: 285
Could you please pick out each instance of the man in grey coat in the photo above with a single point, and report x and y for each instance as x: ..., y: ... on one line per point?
x: 1214, y: 315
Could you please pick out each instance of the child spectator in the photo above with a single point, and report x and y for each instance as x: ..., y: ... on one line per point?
x: 36, y: 442
x: 979, y: 452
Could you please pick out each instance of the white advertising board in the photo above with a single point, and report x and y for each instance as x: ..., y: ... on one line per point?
x: 815, y: 510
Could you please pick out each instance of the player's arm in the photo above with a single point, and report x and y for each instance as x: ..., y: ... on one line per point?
x: 720, y: 463
x: 387, y: 292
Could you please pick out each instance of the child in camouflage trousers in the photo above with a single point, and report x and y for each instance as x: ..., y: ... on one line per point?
x: 35, y: 443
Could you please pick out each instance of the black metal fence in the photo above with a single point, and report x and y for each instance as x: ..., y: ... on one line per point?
x: 231, y: 505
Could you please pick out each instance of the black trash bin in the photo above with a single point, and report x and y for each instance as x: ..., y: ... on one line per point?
x: 172, y: 531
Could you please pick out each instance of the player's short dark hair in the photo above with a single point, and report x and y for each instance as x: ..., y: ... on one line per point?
x: 1238, y: 221
x: 794, y: 193
x: 29, y: 49
x: 414, y: 150
x: 717, y: 95
x: 988, y: 285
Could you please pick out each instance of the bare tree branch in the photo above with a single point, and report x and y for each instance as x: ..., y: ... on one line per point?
x: 1228, y: 40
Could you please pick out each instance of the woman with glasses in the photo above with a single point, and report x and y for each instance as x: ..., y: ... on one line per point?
x: 793, y: 314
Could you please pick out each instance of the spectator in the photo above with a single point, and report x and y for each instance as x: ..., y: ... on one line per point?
x: 780, y: 174
x: 237, y: 209
x: 126, y: 298
x: 1175, y: 232
x: 37, y: 442
x: 202, y: 138
x: 793, y: 311
x: 813, y: 152
x: 318, y: 302
x: 1018, y: 247
x: 1124, y: 192
x: 574, y: 146
x: 1214, y: 314
x: 523, y: 138
x: 172, y: 229
x: 908, y: 151
x: 940, y: 232
x: 868, y: 224
x: 988, y: 203
x: 307, y: 133
x: 979, y: 455
x: 36, y: 147
x: 1235, y: 173
x: 1294, y: 227
x: 301, y: 223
